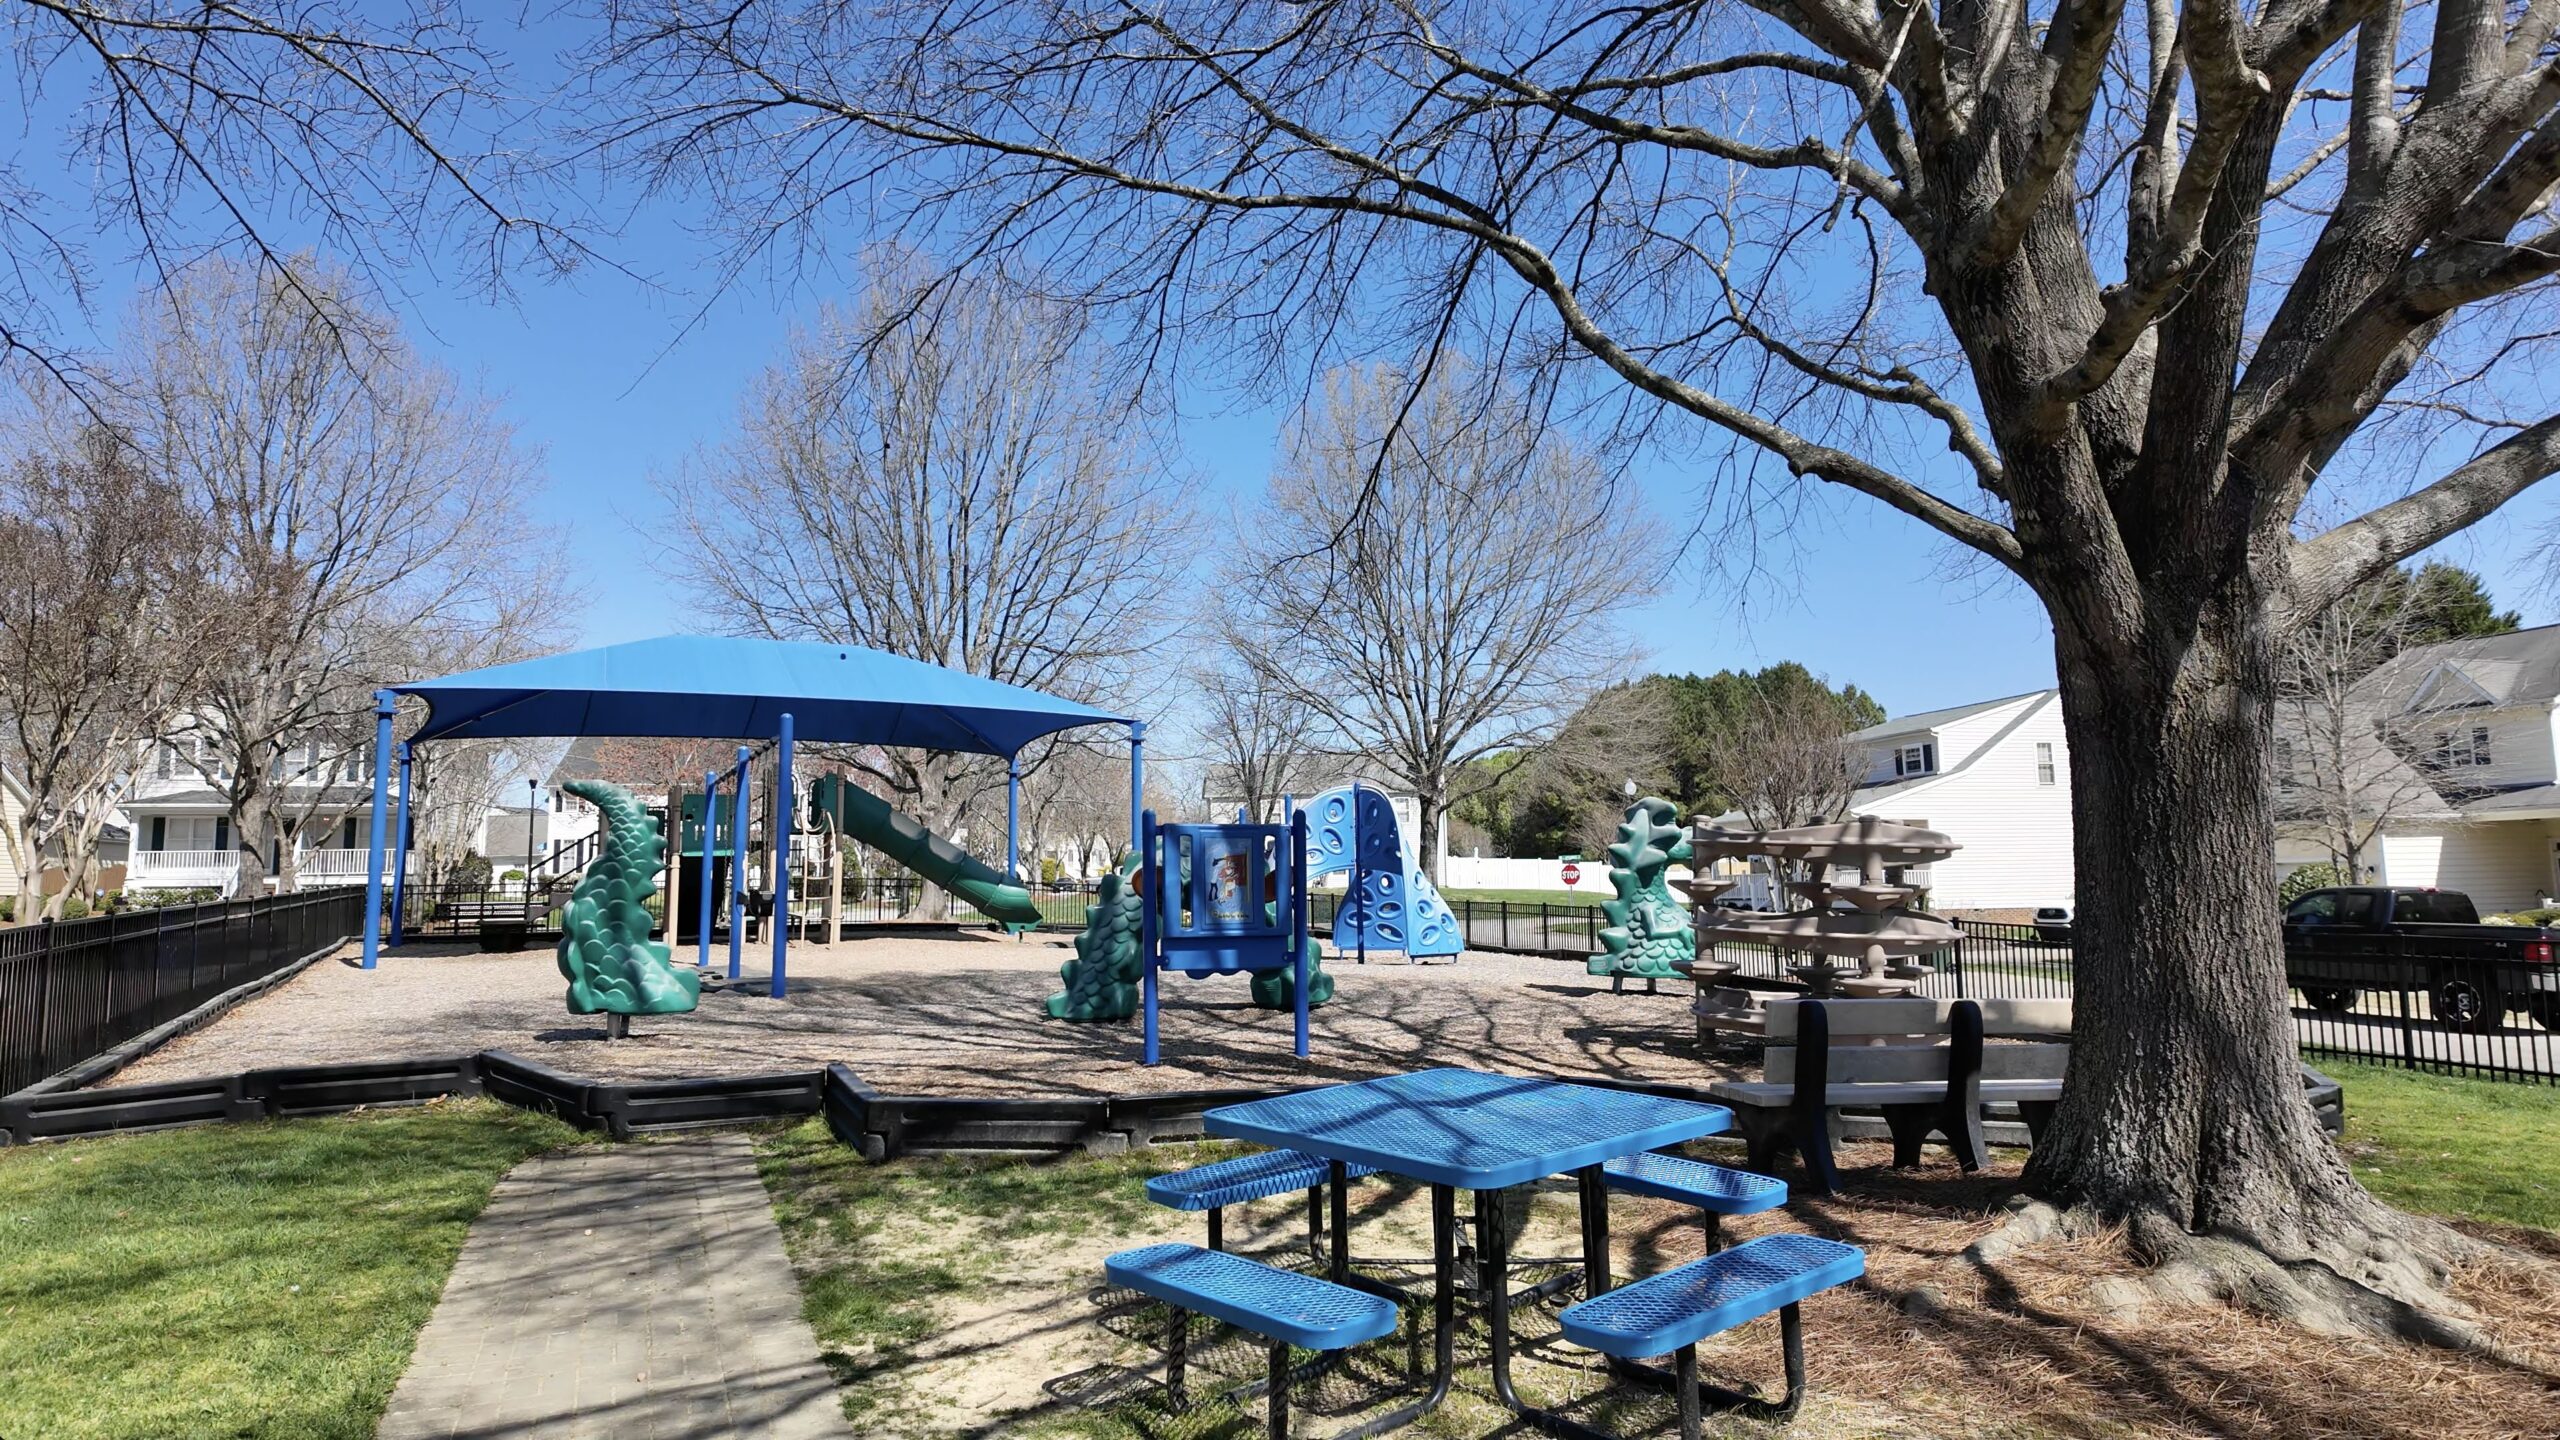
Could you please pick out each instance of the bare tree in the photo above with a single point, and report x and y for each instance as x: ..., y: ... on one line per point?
x: 936, y: 474
x: 2344, y: 769
x: 187, y: 129
x: 1782, y: 755
x: 1568, y: 793
x: 366, y: 524
x: 101, y: 634
x: 1255, y: 735
x: 1447, y: 575
x: 2098, y: 296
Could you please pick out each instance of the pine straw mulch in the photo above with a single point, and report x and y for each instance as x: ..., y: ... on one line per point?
x: 1931, y: 1342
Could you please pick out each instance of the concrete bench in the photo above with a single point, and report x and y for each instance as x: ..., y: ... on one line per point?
x: 1924, y: 1065
x: 1716, y: 1190
x: 1671, y: 1312
x: 1251, y: 1177
x: 1283, y: 1307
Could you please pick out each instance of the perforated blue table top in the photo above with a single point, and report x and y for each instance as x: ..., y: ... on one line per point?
x: 1468, y: 1128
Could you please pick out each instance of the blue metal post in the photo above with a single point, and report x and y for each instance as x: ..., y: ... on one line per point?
x: 710, y: 828
x: 386, y: 708
x: 1298, y: 919
x: 1013, y: 818
x: 1137, y: 777
x: 738, y: 866
x: 1148, y: 883
x: 400, y: 845
x: 782, y: 857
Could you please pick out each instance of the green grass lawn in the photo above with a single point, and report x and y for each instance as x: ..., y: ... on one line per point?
x: 2467, y: 1149
x: 237, y: 1280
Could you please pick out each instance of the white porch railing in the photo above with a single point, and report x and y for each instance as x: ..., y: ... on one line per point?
x: 179, y: 869
x: 194, y: 869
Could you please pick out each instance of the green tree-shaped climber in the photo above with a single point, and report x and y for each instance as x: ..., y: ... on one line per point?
x: 1648, y: 926
x: 612, y: 965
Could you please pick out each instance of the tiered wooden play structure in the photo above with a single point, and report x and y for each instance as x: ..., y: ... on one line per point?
x: 1875, y: 949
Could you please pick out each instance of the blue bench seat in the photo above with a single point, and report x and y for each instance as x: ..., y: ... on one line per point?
x: 1304, y: 1310
x: 1284, y: 1307
x: 1252, y: 1177
x: 1671, y: 1312
x: 1247, y: 1177
x: 1716, y: 1190
x: 1694, y: 1182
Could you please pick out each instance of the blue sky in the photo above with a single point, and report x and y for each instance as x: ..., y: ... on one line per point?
x: 602, y: 373
x: 1860, y: 594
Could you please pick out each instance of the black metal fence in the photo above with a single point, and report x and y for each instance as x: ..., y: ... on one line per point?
x: 73, y: 989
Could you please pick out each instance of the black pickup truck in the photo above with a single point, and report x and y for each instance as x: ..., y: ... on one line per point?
x: 2370, y: 936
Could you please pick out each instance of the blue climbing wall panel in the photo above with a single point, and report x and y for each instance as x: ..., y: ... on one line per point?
x: 1392, y: 905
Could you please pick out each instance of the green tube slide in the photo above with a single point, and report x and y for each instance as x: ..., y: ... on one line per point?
x: 894, y: 833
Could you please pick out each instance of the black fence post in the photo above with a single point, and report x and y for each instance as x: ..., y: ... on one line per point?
x: 1545, y: 941
x: 45, y: 967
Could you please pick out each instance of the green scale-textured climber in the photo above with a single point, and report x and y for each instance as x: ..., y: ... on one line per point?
x: 1648, y: 925
x: 612, y: 965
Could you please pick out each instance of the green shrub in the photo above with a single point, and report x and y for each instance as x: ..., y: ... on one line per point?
x: 148, y: 899
x: 2307, y: 879
x: 2550, y: 916
x: 75, y: 907
x: 471, y: 872
x: 1051, y: 871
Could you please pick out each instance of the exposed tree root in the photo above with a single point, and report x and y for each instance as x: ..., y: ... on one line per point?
x: 2385, y: 1276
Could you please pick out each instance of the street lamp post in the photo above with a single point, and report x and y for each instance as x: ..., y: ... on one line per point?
x: 532, y: 811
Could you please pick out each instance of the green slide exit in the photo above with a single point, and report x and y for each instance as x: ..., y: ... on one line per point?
x: 896, y: 834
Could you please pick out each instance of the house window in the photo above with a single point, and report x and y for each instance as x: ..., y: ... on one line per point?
x: 222, y: 834
x: 2044, y: 761
x: 347, y: 834
x: 167, y: 768
x: 1921, y: 759
x: 159, y: 833
x: 2452, y: 751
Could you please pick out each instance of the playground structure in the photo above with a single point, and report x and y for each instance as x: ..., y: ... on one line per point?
x: 1876, y: 948
x: 1390, y: 904
x: 1648, y: 933
x: 1225, y: 900
x: 612, y: 966
x: 768, y: 693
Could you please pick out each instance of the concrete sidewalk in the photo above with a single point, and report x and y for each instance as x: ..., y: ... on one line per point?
x: 622, y: 1291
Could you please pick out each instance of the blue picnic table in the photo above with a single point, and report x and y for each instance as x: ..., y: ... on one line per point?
x: 1453, y: 1130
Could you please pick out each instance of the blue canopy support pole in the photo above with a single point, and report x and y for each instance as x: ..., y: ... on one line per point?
x: 1298, y: 919
x: 738, y: 865
x: 1149, y: 881
x: 710, y: 827
x: 400, y: 850
x: 782, y: 856
x: 386, y: 708
x: 1013, y: 817
x: 1137, y: 778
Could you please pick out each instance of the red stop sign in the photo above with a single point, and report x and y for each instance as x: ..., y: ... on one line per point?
x: 1572, y: 872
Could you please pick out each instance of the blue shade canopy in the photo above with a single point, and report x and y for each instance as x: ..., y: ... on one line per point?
x: 702, y: 688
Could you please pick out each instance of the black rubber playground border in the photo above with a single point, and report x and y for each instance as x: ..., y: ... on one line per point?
x: 880, y: 1124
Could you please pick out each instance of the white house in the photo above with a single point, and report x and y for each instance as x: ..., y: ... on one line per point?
x: 1995, y: 775
x: 2476, y: 723
x: 180, y: 822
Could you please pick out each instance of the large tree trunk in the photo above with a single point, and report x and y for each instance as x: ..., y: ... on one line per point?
x: 2185, y: 1118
